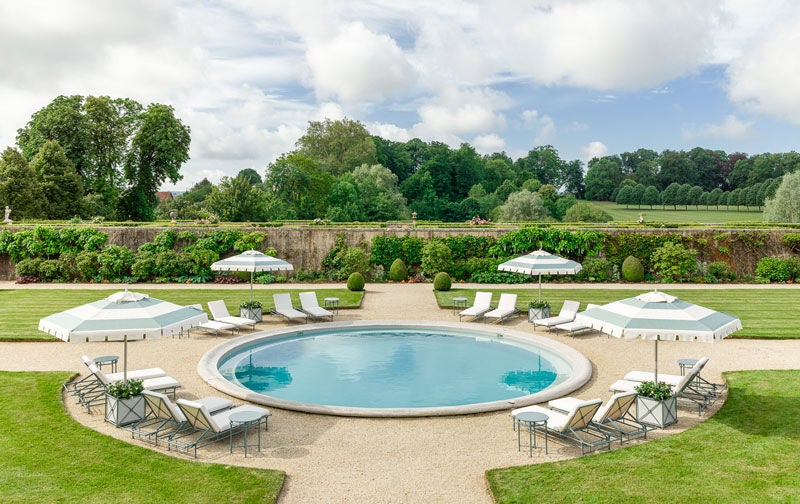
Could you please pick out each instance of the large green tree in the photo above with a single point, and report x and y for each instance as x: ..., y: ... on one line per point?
x: 237, y: 200
x: 525, y: 206
x: 785, y: 205
x: 19, y: 187
x: 159, y: 148
x: 602, y: 178
x: 338, y: 146
x: 59, y: 181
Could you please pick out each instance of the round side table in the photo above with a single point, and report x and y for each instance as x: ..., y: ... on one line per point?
x: 246, y: 420
x: 533, y: 421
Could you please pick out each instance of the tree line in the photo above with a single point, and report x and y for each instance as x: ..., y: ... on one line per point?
x: 97, y: 156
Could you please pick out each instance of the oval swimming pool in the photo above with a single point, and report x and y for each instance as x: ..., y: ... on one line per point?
x: 394, y: 369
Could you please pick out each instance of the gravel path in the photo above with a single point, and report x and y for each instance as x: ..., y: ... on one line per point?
x: 334, y: 459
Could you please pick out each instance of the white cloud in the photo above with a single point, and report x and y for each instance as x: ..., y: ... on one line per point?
x: 488, y: 144
x: 389, y: 132
x: 767, y: 76
x: 358, y: 64
x: 603, y: 44
x: 457, y: 112
x: 592, y: 150
x: 731, y: 128
x: 543, y: 124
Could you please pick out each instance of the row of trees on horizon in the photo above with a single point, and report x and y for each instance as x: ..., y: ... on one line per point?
x: 97, y: 156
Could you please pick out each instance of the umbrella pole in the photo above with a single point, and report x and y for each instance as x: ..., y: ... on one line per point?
x: 540, y: 287
x: 125, y: 361
x: 656, y: 363
x: 251, y: 286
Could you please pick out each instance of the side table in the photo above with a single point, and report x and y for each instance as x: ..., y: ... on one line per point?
x: 246, y: 420
x: 533, y: 421
x: 686, y: 363
x: 459, y: 303
x: 107, y: 360
x: 332, y: 303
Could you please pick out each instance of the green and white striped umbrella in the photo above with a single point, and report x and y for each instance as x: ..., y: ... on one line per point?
x: 120, y: 317
x: 541, y: 263
x: 252, y: 261
x: 659, y: 316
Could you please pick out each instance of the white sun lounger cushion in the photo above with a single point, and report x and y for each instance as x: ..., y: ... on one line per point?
x: 137, y: 374
x: 162, y: 382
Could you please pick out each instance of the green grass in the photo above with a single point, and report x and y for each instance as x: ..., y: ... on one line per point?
x: 747, y: 452
x: 681, y: 215
x: 765, y: 313
x: 20, y: 310
x: 48, y: 457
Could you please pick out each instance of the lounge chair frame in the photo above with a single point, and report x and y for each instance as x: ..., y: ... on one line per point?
x: 578, y: 431
x: 201, y: 422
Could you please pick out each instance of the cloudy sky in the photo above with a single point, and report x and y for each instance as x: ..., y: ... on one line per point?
x: 589, y: 77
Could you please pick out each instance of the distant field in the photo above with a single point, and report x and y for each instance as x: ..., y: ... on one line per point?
x: 657, y: 214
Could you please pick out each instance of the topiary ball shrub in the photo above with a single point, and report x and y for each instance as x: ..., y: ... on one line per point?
x: 355, y: 282
x: 442, y: 281
x: 398, y: 271
x: 632, y: 269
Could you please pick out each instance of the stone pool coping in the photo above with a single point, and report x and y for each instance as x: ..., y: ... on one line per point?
x: 208, y: 370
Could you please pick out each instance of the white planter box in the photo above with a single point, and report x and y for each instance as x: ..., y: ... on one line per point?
x: 251, y: 313
x: 538, y: 313
x: 657, y: 413
x: 124, y: 411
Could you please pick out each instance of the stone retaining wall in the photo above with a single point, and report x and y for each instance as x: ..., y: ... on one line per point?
x: 306, y: 247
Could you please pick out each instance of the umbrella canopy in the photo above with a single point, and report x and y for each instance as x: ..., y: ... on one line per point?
x: 122, y: 316
x: 252, y: 261
x: 541, y: 263
x: 656, y: 315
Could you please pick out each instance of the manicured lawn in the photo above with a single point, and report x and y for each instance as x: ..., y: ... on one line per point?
x: 681, y: 215
x: 20, y: 310
x: 765, y: 313
x: 48, y: 457
x: 748, y: 452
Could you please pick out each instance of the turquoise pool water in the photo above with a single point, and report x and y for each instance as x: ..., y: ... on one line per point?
x: 378, y: 367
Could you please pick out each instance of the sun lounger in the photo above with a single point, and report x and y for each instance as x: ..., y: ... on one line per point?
x: 567, y: 314
x: 481, y: 305
x: 699, y: 383
x: 684, y: 390
x: 220, y: 313
x: 505, y: 308
x: 159, y: 384
x: 133, y: 374
x: 614, y: 417
x: 164, y: 420
x: 310, y: 305
x: 573, y: 427
x: 214, y: 326
x: 211, y: 428
x: 572, y: 328
x: 284, y: 308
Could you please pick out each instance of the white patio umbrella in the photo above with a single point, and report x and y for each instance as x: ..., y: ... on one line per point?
x: 252, y: 261
x: 541, y: 263
x: 122, y: 316
x: 659, y: 316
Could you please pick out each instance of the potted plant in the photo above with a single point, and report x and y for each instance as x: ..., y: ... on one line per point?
x: 124, y: 402
x: 251, y: 310
x: 655, y: 404
x: 538, y: 310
